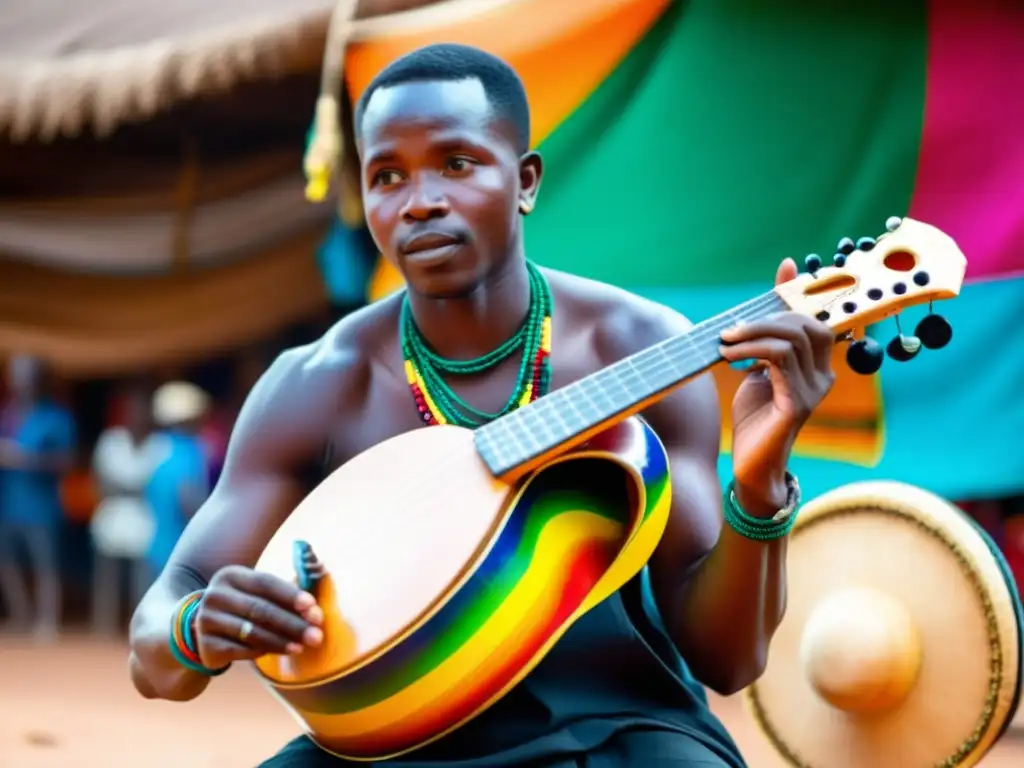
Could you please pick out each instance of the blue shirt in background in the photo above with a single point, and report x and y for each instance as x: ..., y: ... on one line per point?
x: 184, y: 470
x: 28, y: 496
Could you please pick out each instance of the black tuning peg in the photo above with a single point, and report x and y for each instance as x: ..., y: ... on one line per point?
x: 846, y: 246
x: 864, y: 356
x: 865, y: 244
x: 839, y: 260
x: 934, y: 331
x: 903, y: 348
x: 813, y: 263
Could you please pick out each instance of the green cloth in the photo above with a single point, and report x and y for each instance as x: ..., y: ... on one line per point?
x: 836, y: 92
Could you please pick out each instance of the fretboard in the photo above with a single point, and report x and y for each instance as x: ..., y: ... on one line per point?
x: 566, y: 416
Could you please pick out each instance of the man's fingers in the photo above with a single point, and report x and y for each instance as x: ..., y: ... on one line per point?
x: 220, y: 626
x: 262, y: 613
x: 270, y: 587
x: 216, y: 651
x: 787, y: 271
x: 777, y: 352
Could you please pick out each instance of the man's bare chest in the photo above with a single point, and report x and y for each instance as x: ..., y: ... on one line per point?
x: 390, y: 409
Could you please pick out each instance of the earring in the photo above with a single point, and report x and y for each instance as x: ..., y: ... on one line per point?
x: 525, y: 208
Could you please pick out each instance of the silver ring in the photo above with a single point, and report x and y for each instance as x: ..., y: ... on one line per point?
x: 245, y: 631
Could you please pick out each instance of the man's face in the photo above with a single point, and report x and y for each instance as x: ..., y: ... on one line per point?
x: 441, y: 184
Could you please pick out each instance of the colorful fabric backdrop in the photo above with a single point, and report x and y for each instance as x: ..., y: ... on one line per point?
x: 691, y: 146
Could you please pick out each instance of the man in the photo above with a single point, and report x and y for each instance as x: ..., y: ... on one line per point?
x: 123, y: 525
x: 37, y: 444
x: 180, y: 480
x: 447, y: 176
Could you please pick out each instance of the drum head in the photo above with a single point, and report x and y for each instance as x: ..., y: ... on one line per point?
x: 902, y: 642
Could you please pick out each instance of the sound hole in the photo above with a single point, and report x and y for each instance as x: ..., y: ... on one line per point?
x: 831, y: 284
x: 900, y: 261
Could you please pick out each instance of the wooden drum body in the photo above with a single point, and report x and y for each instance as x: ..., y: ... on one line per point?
x: 903, y: 641
x: 444, y: 587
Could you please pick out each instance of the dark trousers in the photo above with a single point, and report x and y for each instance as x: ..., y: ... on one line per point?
x: 626, y: 749
x: 41, y: 544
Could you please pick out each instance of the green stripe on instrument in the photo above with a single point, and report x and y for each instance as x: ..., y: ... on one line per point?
x: 737, y: 133
x: 539, y: 512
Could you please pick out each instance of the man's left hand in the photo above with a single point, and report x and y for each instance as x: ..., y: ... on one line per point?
x: 793, y: 375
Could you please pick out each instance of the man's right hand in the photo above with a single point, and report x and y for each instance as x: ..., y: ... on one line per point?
x: 283, y: 618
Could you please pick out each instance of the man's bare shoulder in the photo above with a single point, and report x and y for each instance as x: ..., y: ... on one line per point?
x: 619, y: 322
x: 334, y: 371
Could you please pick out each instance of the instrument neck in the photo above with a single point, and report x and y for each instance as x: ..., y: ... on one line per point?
x: 533, y: 434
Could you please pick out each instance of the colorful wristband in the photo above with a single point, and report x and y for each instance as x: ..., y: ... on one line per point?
x: 182, y: 642
x: 761, y: 528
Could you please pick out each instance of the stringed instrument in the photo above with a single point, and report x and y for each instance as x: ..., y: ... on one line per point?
x: 443, y: 589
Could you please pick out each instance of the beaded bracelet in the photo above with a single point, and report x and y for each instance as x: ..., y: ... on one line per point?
x: 182, y: 641
x: 761, y: 528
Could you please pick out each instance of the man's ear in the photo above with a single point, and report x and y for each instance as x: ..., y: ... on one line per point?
x: 531, y: 169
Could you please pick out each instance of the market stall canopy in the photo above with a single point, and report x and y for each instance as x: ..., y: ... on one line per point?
x: 90, y: 325
x: 167, y: 216
x: 68, y: 67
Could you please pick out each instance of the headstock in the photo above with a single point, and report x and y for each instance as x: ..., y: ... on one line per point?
x: 872, y: 279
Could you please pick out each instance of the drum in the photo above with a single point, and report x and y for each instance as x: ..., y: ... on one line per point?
x: 902, y: 642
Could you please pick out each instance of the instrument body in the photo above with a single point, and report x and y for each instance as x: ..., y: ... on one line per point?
x: 451, y: 561
x: 445, y: 587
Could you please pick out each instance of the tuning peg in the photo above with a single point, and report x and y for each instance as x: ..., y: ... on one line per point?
x: 893, y: 223
x: 864, y: 356
x: 934, y: 331
x: 309, y: 569
x: 846, y: 246
x: 903, y: 348
x: 865, y: 244
x: 839, y: 260
x: 813, y: 263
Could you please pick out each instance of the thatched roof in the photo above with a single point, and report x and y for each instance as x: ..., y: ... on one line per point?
x: 67, y: 67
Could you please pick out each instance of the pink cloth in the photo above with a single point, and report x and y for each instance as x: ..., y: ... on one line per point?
x: 970, y: 177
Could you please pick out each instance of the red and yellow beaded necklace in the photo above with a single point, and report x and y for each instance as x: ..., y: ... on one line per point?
x: 438, y: 403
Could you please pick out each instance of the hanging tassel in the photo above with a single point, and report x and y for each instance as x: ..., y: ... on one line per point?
x: 350, y: 193
x: 324, y: 152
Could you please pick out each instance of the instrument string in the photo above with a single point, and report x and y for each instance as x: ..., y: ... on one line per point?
x: 643, y: 365
x: 435, y: 483
x: 748, y: 311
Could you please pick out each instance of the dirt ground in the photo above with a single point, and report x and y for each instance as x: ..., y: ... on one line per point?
x: 71, y: 706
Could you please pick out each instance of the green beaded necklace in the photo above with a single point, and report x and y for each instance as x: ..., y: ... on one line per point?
x: 425, y: 369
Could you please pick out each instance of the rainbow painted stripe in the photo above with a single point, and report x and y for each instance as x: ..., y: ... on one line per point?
x: 564, y: 548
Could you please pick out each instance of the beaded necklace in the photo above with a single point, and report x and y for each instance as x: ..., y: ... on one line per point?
x: 439, y: 404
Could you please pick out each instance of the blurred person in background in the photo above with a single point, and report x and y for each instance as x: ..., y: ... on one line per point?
x: 180, y: 482
x: 123, y: 527
x: 37, y: 445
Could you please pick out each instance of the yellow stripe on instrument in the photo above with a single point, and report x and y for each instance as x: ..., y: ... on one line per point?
x: 532, y: 598
x: 531, y: 602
